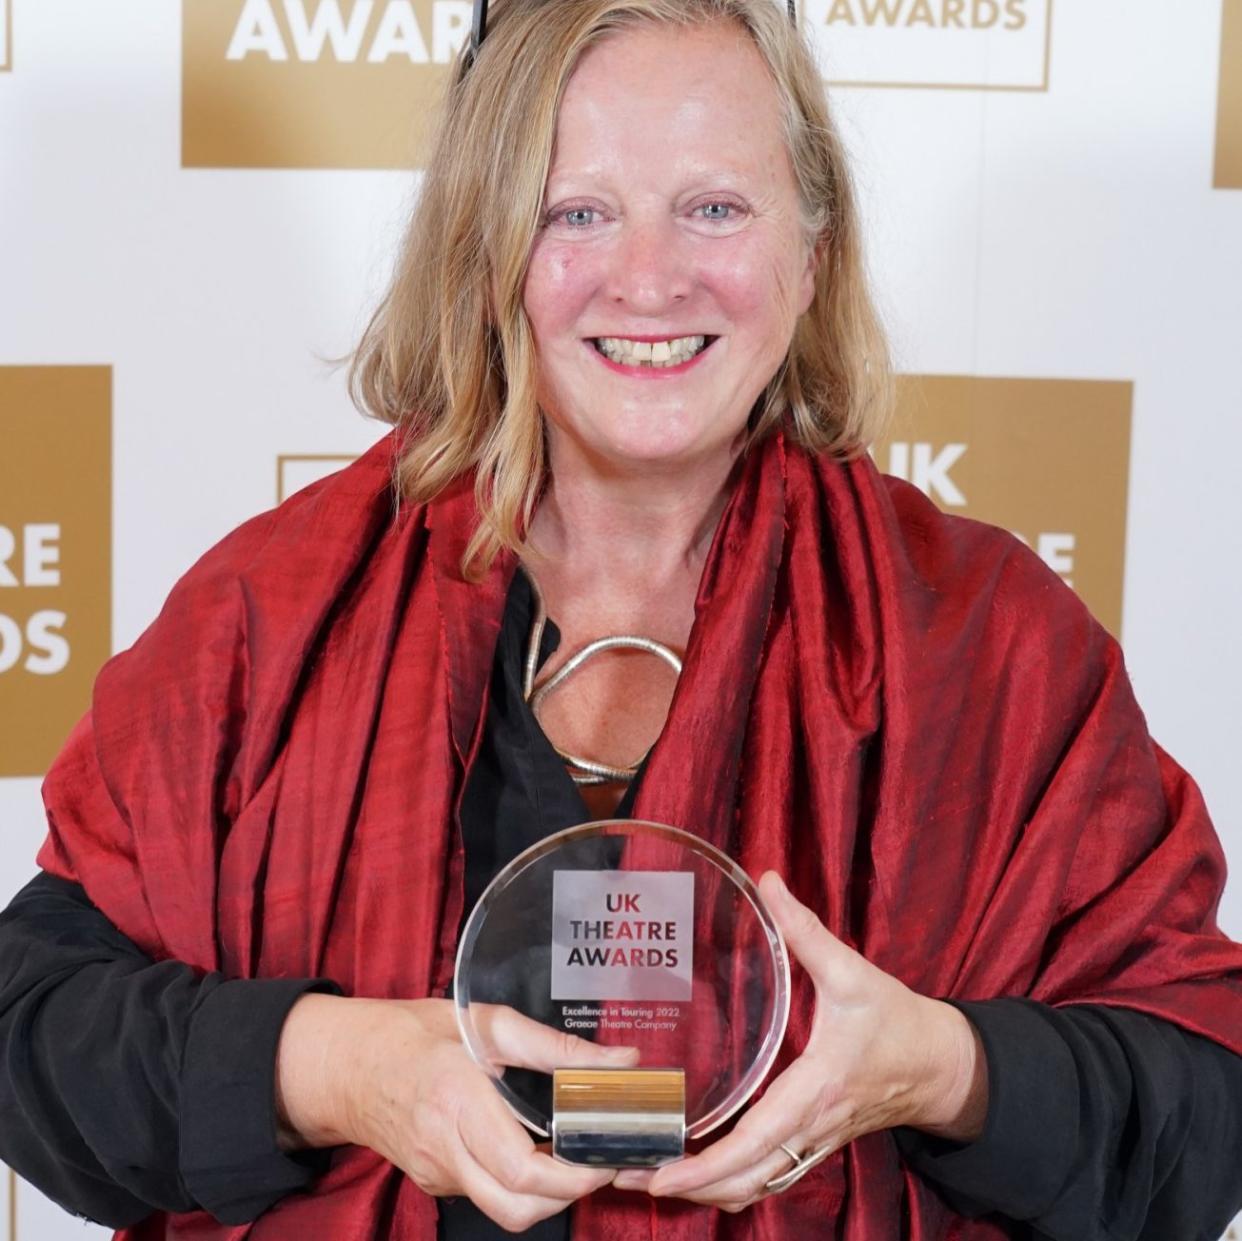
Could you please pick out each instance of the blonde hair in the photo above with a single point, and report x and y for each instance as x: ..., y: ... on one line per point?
x: 448, y: 355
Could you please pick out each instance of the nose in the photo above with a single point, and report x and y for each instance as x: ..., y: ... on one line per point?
x: 651, y: 269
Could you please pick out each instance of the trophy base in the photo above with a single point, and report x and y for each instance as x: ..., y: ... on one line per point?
x: 619, y: 1118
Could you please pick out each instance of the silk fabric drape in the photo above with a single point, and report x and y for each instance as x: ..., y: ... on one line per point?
x: 905, y: 714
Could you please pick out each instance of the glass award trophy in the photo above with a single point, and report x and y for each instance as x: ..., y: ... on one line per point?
x: 635, y: 935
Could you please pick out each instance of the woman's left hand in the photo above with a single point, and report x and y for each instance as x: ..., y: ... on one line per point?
x: 879, y: 1055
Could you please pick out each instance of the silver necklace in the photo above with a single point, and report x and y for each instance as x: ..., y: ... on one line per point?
x: 583, y: 770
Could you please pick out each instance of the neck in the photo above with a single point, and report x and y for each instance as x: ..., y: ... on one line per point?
x: 649, y: 523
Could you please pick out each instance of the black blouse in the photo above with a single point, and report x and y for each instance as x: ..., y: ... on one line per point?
x: 129, y: 1086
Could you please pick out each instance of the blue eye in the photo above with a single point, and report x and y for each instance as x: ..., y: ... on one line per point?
x: 718, y: 212
x: 575, y: 217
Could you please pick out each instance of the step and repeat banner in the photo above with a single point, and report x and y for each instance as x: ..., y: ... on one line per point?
x: 199, y: 204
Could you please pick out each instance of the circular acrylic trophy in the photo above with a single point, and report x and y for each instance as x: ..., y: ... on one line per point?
x: 634, y: 935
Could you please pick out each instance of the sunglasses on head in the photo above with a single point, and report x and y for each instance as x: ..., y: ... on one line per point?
x: 478, y: 30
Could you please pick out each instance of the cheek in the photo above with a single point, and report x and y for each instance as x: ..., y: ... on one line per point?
x: 558, y: 284
x: 757, y: 287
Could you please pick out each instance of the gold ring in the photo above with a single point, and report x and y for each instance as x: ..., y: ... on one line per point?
x: 801, y: 1166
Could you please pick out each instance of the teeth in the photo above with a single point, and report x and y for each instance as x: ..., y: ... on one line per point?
x: 660, y: 353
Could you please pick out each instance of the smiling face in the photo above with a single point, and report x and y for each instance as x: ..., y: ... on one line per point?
x: 665, y: 282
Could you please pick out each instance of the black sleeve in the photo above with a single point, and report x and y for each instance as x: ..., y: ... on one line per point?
x: 1102, y: 1123
x: 128, y: 1086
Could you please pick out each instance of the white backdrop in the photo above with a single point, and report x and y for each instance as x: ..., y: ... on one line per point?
x: 1071, y: 233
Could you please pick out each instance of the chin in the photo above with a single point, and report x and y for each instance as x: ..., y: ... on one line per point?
x: 662, y: 455
x: 662, y: 443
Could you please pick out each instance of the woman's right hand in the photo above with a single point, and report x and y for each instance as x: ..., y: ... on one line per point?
x: 394, y: 1076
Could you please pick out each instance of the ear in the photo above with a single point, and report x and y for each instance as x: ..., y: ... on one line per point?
x: 806, y: 287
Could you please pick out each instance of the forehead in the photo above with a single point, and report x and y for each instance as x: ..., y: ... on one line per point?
x: 659, y: 99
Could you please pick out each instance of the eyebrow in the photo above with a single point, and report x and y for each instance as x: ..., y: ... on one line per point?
x: 710, y: 178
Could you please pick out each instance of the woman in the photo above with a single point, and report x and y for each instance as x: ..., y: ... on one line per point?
x: 630, y: 355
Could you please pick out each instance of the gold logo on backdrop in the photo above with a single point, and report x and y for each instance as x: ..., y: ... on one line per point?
x: 297, y: 470
x: 6, y: 36
x: 313, y: 83
x: 1228, y: 175
x: 55, y: 555
x: 1048, y: 459
x: 934, y: 44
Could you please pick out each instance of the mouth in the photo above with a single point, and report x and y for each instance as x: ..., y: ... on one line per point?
x: 631, y: 354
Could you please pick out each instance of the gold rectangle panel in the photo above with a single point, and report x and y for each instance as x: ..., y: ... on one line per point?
x: 55, y: 554
x: 1228, y: 172
x: 351, y: 87
x: 1048, y: 459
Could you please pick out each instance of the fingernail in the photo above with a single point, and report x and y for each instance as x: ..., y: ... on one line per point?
x: 622, y: 1054
x: 782, y: 890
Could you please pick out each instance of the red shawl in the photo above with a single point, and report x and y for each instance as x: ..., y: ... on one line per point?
x: 904, y: 713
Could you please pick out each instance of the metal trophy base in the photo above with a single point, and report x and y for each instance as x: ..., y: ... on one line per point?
x: 619, y: 1118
